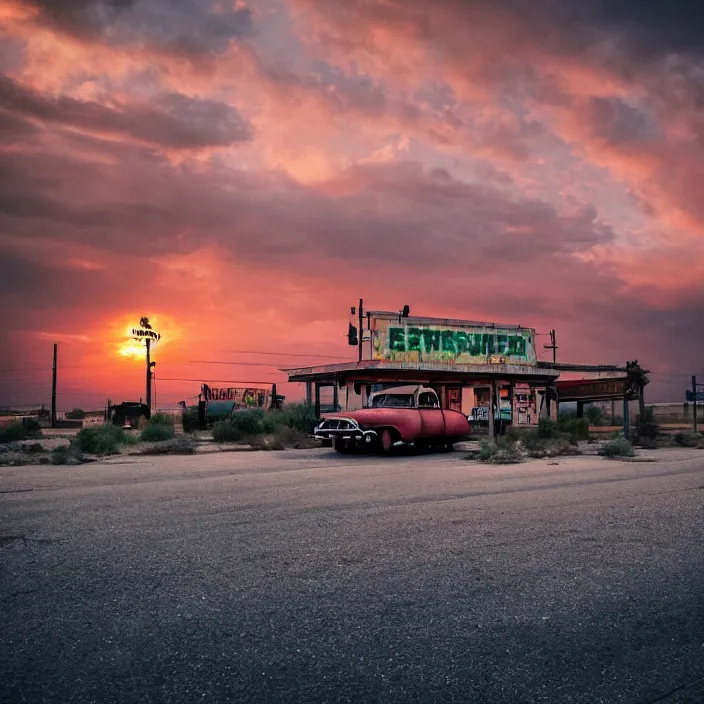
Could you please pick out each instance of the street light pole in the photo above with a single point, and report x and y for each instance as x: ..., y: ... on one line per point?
x: 149, y: 375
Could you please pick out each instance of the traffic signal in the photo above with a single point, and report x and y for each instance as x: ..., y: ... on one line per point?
x: 352, y: 338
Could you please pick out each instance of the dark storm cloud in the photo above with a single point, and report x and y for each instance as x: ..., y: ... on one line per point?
x: 188, y: 26
x: 172, y: 121
x: 503, y: 29
x: 14, y: 129
x: 402, y: 212
x: 649, y: 28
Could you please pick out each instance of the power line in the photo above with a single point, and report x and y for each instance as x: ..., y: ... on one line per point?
x: 289, y: 354
x: 242, y: 364
x: 227, y: 381
x: 42, y: 369
x: 238, y: 364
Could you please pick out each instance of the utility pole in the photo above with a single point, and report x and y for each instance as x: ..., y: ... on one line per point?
x: 361, y: 321
x: 694, y: 403
x: 552, y: 346
x: 149, y: 375
x: 53, y: 388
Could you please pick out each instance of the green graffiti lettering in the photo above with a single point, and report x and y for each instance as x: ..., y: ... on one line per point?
x: 413, y: 340
x: 448, y: 341
x: 397, y: 339
x: 461, y: 342
x: 457, y: 342
x: 431, y: 340
x: 516, y: 346
x: 474, y: 345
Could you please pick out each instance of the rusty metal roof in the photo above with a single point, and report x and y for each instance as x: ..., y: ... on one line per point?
x: 419, y: 371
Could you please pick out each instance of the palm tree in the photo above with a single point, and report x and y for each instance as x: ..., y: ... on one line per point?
x: 144, y: 323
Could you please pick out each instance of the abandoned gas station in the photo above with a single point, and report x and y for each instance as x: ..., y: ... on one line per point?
x: 488, y: 371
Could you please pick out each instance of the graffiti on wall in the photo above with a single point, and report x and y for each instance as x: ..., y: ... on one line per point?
x: 243, y: 397
x: 453, y: 345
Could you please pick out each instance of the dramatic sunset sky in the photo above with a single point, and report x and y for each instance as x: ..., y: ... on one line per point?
x: 242, y: 172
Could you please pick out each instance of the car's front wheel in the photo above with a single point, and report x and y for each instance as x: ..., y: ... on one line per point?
x: 342, y: 447
x: 386, y: 441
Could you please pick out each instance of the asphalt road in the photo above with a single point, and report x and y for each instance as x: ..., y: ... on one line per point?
x: 310, y: 577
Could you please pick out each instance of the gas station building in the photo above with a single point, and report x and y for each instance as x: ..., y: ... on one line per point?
x: 488, y: 371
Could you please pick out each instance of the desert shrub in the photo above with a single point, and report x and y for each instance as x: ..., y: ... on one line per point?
x: 157, y: 432
x: 101, y: 440
x: 595, y: 415
x: 568, y: 429
x: 300, y: 416
x: 537, y: 445
x: 300, y: 419
x: 646, y: 429
x: 33, y: 449
x: 76, y: 414
x: 575, y: 428
x: 32, y: 428
x: 189, y: 420
x: 687, y: 439
x: 271, y: 423
x: 226, y: 431
x: 70, y: 454
x: 165, y: 419
x: 552, y: 447
x: 502, y: 450
x: 618, y: 447
x: 13, y: 432
x: 548, y: 428
x: 182, y: 445
x: 130, y: 438
x: 248, y: 422
x: 13, y: 458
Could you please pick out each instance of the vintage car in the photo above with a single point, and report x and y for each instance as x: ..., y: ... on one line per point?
x: 402, y: 414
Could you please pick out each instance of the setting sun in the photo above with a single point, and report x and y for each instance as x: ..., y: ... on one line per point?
x: 132, y: 349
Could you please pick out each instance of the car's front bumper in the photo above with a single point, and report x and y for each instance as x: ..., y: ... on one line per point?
x: 344, y: 430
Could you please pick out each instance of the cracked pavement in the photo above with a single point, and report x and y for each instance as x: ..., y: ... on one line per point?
x: 305, y: 576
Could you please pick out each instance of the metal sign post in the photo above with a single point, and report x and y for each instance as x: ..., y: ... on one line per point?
x: 144, y: 332
x: 694, y: 403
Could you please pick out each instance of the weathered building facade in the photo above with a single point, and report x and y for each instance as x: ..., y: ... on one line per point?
x: 488, y: 371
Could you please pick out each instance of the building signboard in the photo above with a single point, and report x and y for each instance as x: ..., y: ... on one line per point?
x: 145, y: 334
x: 453, y: 344
x: 591, y: 388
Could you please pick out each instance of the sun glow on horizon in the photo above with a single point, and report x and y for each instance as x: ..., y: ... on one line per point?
x: 131, y: 349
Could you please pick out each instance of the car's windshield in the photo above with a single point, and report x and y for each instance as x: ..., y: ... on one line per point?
x: 393, y: 400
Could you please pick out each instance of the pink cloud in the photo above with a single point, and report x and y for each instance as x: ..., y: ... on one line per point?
x: 477, y: 160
